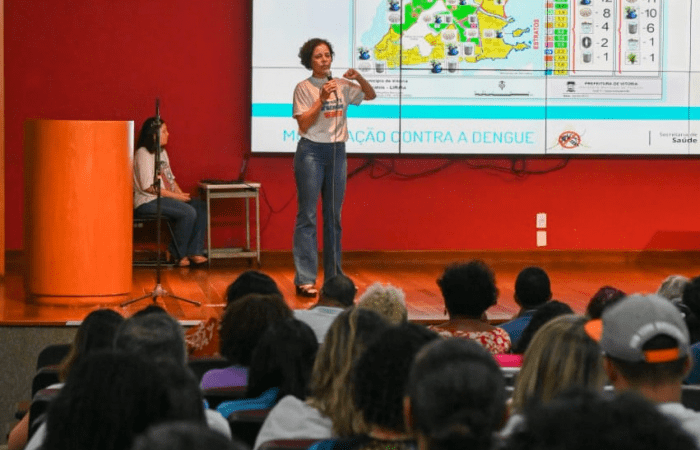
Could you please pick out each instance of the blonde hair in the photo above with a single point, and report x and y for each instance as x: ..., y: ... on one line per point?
x: 561, y: 355
x: 387, y: 301
x: 331, y: 377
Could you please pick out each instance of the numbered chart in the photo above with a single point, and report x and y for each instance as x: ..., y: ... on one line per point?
x: 491, y: 76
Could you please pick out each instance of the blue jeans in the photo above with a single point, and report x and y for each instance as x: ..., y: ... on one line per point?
x: 317, y: 172
x: 190, y: 221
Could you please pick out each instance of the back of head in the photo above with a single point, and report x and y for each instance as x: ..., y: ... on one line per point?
x: 387, y: 301
x: 95, y: 333
x: 544, y: 314
x: 560, y: 356
x: 457, y: 395
x: 584, y: 420
x: 646, y: 339
x: 532, y: 287
x: 184, y: 396
x: 468, y: 288
x: 147, y: 134
x: 283, y: 359
x: 602, y: 299
x: 672, y: 287
x: 244, y: 322
x: 381, y: 374
x: 251, y: 282
x: 331, y: 388
x: 184, y: 436
x: 154, y: 336
x: 107, y: 400
x: 339, y: 289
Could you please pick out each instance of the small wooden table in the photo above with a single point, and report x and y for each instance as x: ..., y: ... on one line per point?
x: 244, y: 190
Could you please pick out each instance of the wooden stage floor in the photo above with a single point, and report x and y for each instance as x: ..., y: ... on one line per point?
x: 575, y: 276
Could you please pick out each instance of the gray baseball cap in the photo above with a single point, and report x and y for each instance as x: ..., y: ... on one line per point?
x: 628, y: 325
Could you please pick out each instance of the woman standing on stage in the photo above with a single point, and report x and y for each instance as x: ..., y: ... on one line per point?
x: 320, y: 166
x: 189, y: 214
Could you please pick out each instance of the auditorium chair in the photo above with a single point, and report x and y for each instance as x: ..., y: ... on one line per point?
x: 690, y: 396
x: 202, y: 364
x: 287, y: 444
x: 52, y: 355
x: 214, y: 396
x: 145, y: 221
x: 39, y: 408
x: 43, y: 378
x: 245, y: 425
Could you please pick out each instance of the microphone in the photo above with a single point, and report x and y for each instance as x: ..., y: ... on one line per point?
x: 329, y: 77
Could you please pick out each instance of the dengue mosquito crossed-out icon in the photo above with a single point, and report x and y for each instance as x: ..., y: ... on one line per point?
x: 569, y: 139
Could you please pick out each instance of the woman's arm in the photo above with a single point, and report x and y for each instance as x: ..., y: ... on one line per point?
x: 367, y: 88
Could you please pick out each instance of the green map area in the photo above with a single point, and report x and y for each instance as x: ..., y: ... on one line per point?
x: 444, y: 27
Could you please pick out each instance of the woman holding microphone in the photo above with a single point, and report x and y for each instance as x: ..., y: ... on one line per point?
x: 320, y: 165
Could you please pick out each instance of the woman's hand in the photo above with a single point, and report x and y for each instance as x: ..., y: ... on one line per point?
x: 367, y: 88
x: 182, y: 196
x: 329, y: 88
x: 352, y: 74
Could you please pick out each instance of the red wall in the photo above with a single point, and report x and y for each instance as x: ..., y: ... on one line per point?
x: 106, y: 59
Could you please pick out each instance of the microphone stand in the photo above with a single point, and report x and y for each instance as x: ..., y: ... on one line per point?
x: 158, y: 290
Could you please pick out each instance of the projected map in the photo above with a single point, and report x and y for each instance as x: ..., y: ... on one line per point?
x: 491, y: 76
x: 455, y: 31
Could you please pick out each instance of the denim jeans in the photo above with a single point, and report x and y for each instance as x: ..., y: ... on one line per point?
x: 317, y: 172
x: 190, y: 221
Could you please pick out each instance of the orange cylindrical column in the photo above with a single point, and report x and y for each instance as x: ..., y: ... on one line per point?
x: 78, y: 210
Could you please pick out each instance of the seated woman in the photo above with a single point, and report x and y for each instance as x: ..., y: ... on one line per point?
x: 95, y: 333
x: 189, y: 214
x: 560, y: 356
x: 456, y: 397
x: 280, y: 366
x: 108, y: 399
x: 242, y: 325
x: 469, y: 289
x: 329, y: 410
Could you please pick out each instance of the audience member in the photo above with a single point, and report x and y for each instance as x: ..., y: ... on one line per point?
x: 585, y: 420
x: 243, y: 323
x: 280, y: 366
x: 251, y: 282
x: 203, y: 339
x: 337, y: 293
x: 691, y: 299
x: 560, y: 356
x: 149, y: 309
x: 107, y: 400
x: 387, y: 301
x: 95, y: 333
x: 158, y: 337
x: 183, y: 435
x: 604, y: 297
x: 672, y: 288
x: 469, y: 289
x: 329, y: 410
x: 380, y: 380
x: 456, y: 396
x: 532, y: 290
x: 646, y: 346
x: 542, y: 315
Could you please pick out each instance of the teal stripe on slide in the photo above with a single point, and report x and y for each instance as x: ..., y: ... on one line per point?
x: 534, y: 112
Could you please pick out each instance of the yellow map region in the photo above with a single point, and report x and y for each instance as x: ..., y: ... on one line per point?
x: 492, y: 18
x: 496, y: 7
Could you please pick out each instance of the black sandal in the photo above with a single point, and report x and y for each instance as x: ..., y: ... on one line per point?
x: 307, y: 290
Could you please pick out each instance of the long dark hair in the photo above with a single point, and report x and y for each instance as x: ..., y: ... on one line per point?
x: 108, y: 399
x: 283, y: 358
x: 147, y: 135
